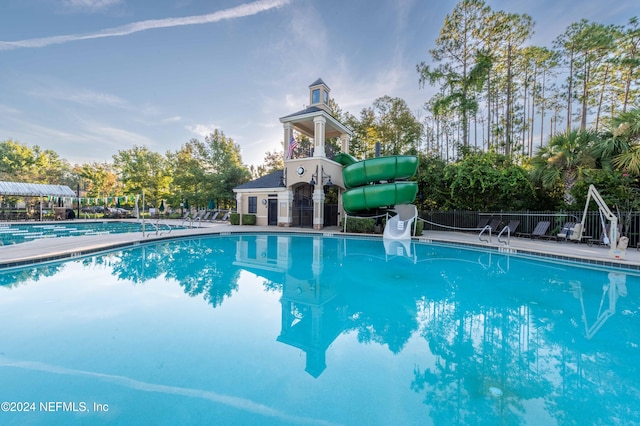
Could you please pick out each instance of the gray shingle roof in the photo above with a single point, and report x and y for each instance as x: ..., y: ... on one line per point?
x: 272, y: 180
x: 317, y: 82
x: 307, y: 110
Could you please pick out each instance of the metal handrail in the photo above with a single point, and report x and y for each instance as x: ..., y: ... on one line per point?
x: 486, y: 227
x: 157, y: 228
x: 508, y: 242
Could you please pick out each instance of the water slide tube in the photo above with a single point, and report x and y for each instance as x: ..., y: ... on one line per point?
x: 359, y: 176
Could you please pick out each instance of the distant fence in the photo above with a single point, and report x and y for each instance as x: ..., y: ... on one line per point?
x: 458, y: 220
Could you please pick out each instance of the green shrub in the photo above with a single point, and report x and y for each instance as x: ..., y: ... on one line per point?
x: 419, y: 227
x: 249, y: 219
x: 234, y: 218
x: 361, y: 225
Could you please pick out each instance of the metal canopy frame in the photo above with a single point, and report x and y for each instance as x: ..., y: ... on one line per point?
x: 21, y: 189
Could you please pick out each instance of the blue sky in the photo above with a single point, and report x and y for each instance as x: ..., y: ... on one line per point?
x: 87, y: 78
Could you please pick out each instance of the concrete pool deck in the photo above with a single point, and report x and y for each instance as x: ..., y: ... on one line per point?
x: 50, y: 249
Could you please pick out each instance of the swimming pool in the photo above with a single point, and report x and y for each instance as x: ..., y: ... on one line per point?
x: 20, y: 233
x: 296, y: 329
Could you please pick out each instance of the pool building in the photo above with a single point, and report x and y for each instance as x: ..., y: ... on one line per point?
x: 308, y: 191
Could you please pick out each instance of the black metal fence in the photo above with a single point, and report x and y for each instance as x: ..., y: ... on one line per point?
x: 458, y: 220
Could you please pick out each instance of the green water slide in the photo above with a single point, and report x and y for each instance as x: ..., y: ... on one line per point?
x: 359, y: 177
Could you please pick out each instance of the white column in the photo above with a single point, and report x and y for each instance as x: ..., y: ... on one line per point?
x: 316, y: 265
x: 344, y: 143
x: 288, y: 132
x: 285, y: 204
x: 318, y: 205
x: 239, y: 205
x: 319, y: 124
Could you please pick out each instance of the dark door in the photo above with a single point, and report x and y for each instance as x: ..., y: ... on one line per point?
x: 272, y: 212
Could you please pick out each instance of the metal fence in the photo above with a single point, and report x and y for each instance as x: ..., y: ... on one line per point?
x: 458, y: 220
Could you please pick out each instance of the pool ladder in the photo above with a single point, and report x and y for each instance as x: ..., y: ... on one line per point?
x: 488, y: 230
x: 508, y: 230
x: 157, y: 229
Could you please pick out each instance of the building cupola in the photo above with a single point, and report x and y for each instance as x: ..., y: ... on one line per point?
x: 319, y: 95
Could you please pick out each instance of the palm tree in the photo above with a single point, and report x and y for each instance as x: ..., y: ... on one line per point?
x: 563, y: 159
x: 626, y: 128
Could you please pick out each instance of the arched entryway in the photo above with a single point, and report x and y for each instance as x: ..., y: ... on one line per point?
x: 302, y: 214
x: 331, y: 206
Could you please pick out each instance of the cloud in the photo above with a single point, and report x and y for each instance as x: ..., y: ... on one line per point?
x: 202, y: 130
x: 6, y: 109
x: 90, y: 5
x: 82, y: 97
x: 241, y: 11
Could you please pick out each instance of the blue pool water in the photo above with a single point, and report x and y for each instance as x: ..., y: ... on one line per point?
x: 20, y: 233
x: 291, y: 329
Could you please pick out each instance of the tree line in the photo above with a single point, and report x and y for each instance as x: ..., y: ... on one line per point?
x: 512, y: 126
x: 495, y: 91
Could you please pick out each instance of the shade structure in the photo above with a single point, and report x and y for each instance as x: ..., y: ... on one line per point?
x: 186, y: 204
x: 161, y: 206
x: 21, y: 189
x: 212, y: 204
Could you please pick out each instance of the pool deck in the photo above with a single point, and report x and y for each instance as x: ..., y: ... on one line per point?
x: 50, y: 249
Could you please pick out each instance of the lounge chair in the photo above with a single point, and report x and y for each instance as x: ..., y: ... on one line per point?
x: 604, y: 234
x: 481, y: 224
x: 187, y: 217
x: 494, y: 224
x: 564, y: 234
x: 512, y: 225
x: 538, y: 232
x: 214, y: 217
x: 225, y: 218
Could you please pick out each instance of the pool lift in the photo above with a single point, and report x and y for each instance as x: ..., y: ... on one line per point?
x: 617, y: 245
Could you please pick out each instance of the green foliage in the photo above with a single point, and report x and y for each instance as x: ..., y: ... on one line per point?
x: 234, y: 218
x: 99, y: 180
x: 207, y: 170
x: 21, y: 163
x: 419, y: 228
x: 249, y: 219
x: 361, y: 225
x: 390, y: 122
x: 143, y: 170
x: 488, y: 181
x: 560, y: 163
x: 433, y: 189
x: 619, y: 190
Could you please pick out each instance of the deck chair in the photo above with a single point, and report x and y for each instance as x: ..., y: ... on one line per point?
x: 538, y: 232
x: 565, y: 232
x: 225, y: 218
x: 214, y: 217
x: 605, y: 232
x: 494, y: 224
x: 186, y: 218
x: 482, y: 223
x: 512, y: 225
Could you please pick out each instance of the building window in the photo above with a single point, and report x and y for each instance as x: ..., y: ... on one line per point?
x: 315, y: 96
x: 326, y: 98
x: 253, y: 204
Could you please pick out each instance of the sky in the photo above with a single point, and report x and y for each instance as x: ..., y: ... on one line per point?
x: 88, y: 78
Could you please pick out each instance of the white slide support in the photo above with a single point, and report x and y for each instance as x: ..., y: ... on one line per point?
x: 399, y: 226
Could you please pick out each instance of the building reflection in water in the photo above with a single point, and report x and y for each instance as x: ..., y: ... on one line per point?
x: 312, y: 314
